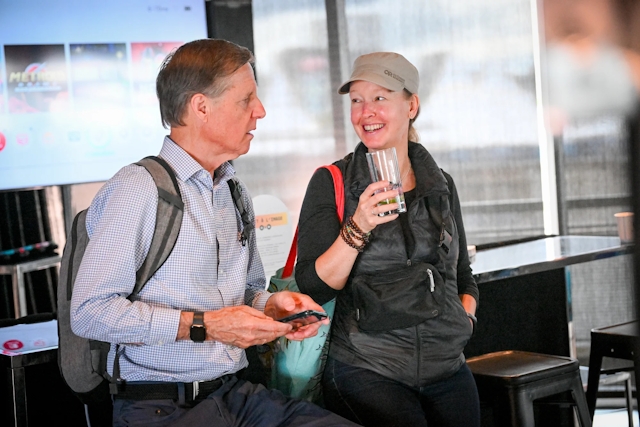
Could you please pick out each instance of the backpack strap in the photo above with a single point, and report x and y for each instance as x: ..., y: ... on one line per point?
x: 168, y: 219
x: 247, y: 226
x: 78, y: 240
x: 168, y: 222
x: 338, y: 188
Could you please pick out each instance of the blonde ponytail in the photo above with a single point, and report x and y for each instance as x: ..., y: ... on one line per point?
x: 413, y: 133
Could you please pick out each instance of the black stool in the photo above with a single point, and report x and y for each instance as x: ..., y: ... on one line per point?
x: 517, y: 378
x: 620, y: 341
x: 613, y: 376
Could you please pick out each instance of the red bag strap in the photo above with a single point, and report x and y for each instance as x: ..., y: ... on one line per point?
x: 338, y: 188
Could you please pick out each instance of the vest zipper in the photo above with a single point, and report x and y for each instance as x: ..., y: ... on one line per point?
x: 419, y: 357
x: 431, y: 281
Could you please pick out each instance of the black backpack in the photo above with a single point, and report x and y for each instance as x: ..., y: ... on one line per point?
x: 83, y: 362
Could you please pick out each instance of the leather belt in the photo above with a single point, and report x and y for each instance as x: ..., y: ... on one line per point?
x: 182, y: 392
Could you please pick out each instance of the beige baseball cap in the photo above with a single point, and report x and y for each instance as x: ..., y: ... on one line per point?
x: 387, y: 69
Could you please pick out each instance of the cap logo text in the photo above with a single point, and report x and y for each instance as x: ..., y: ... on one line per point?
x: 394, y: 76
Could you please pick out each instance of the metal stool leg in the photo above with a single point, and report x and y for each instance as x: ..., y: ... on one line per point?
x: 581, y: 402
x: 522, y: 414
x: 628, y: 396
x: 17, y: 389
x: 595, y: 365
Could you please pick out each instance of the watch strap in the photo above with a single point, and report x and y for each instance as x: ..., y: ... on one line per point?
x: 198, y: 332
x: 198, y: 319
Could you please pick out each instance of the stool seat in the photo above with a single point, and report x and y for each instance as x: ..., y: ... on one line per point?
x: 513, y: 380
x: 519, y: 367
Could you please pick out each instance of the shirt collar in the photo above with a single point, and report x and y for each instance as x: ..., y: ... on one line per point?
x: 186, y: 166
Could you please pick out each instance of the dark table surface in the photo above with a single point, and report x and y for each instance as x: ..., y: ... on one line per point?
x: 543, y: 254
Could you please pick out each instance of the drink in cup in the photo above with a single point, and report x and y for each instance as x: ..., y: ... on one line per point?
x: 383, y: 166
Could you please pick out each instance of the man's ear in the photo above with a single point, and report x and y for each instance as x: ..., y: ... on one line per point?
x: 199, y: 106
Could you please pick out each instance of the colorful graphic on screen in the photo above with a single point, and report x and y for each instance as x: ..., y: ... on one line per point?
x: 99, y: 76
x: 77, y: 85
x: 36, y: 78
x: 2, y: 94
x: 146, y: 59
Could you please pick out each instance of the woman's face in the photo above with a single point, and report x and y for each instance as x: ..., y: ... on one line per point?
x: 379, y: 116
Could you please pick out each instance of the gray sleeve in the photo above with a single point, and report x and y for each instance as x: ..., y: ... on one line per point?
x: 466, y: 282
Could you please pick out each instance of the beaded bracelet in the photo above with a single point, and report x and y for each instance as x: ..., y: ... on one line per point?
x: 351, y: 232
x: 349, y: 240
x: 361, y: 235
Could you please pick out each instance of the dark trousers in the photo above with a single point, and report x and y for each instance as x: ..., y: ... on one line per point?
x: 373, y: 400
x: 236, y: 403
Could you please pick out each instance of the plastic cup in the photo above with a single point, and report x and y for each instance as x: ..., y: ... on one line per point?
x: 383, y: 166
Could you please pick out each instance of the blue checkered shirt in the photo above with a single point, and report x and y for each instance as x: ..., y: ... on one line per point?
x: 208, y: 269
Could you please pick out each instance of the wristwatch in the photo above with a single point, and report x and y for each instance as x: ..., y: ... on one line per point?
x: 198, y: 332
x: 474, y: 321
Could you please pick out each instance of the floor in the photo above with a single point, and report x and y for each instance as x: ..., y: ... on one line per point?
x: 611, y: 411
x: 613, y: 418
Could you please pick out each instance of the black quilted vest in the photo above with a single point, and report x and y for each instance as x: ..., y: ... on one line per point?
x: 431, y: 350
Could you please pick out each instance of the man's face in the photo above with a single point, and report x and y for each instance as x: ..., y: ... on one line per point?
x: 234, y: 114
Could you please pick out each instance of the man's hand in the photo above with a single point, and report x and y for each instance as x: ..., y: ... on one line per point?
x: 285, y: 303
x: 242, y: 326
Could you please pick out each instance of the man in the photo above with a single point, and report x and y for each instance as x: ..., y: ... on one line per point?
x: 208, y: 98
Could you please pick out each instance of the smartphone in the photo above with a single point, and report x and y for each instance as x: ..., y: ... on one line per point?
x: 304, y: 318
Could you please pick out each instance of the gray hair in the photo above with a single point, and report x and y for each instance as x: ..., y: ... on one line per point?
x: 200, y: 66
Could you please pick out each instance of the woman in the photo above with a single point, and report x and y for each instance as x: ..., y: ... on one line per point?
x: 384, y: 366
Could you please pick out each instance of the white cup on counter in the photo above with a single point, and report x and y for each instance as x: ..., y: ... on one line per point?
x: 625, y: 226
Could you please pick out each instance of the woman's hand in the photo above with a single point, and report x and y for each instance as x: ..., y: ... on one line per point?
x: 366, y: 214
x: 334, y: 266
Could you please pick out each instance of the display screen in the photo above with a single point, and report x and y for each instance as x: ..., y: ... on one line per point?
x: 77, y: 85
